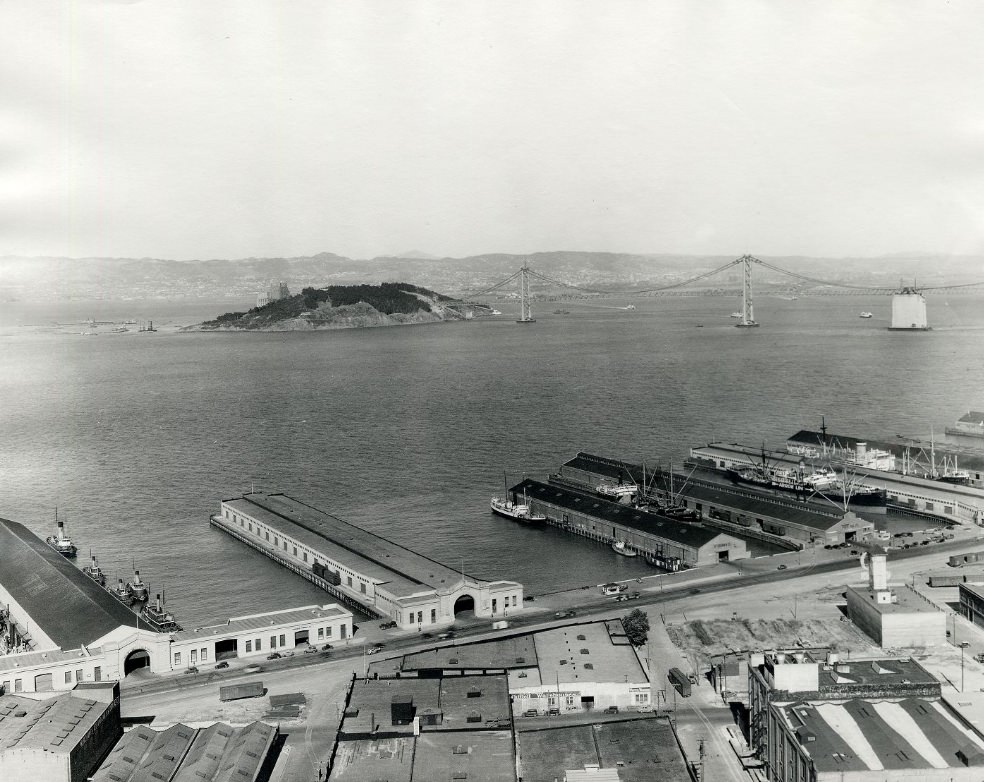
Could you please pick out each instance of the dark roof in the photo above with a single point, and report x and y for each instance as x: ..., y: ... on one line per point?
x: 685, y: 533
x: 68, y: 606
x: 973, y: 417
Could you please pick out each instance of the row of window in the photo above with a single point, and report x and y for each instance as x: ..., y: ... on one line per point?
x: 79, y: 675
x: 193, y: 656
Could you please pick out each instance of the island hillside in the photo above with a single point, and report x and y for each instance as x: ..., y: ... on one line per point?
x: 346, y: 306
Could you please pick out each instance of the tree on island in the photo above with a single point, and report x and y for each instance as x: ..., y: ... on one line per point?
x: 636, y: 625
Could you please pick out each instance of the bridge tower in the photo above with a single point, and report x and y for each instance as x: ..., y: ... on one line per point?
x: 525, y: 299
x: 747, y: 310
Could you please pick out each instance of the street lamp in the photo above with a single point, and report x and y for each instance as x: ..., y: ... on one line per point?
x: 963, y: 645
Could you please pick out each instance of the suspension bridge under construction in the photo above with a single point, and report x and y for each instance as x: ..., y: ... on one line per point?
x: 908, y: 303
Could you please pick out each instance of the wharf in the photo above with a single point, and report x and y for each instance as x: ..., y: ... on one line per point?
x: 306, y: 574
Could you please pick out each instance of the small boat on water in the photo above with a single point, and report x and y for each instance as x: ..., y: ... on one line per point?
x: 157, y: 617
x: 93, y: 571
x: 866, y: 315
x: 123, y: 593
x: 60, y: 542
x: 736, y: 315
x: 517, y: 511
x: 138, y: 588
x: 619, y: 547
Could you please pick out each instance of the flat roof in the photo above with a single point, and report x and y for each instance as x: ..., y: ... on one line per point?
x: 585, y: 653
x: 465, y: 699
x: 54, y: 725
x: 515, y: 652
x: 68, y: 606
x: 404, y: 571
x: 373, y: 700
x: 690, y: 534
x: 369, y: 760
x: 881, y: 735
x: 906, y: 601
x: 475, y: 756
x: 977, y: 590
x: 271, y: 619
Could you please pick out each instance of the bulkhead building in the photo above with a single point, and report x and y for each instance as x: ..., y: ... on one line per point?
x: 360, y: 567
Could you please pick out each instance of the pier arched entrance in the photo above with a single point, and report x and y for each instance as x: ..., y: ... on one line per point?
x: 138, y: 658
x: 464, y: 604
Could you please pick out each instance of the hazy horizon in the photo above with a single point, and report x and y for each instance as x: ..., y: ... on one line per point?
x: 235, y: 131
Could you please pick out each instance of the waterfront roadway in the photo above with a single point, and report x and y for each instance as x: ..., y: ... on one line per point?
x: 193, y: 698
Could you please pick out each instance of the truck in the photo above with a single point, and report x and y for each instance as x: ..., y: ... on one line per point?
x: 680, y: 681
x: 234, y: 692
x: 612, y: 588
x: 502, y: 624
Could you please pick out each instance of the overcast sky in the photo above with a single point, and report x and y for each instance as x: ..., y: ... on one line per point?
x: 223, y: 130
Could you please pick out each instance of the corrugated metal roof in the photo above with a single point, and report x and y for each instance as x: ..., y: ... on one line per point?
x: 55, y: 725
x: 685, y: 533
x: 68, y: 606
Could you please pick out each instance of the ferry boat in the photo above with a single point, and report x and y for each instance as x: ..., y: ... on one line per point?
x: 619, y: 547
x: 737, y: 315
x: 517, y: 511
x: 616, y: 492
x: 158, y: 618
x: 138, y: 588
x: 123, y: 593
x: 60, y: 542
x: 93, y: 571
x: 866, y: 315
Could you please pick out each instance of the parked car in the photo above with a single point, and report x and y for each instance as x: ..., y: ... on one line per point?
x: 191, y: 669
x: 446, y: 636
x: 274, y: 656
x: 781, y: 567
x: 634, y: 596
x: 326, y: 647
x: 531, y: 713
x: 529, y: 597
x: 387, y: 625
x: 555, y: 712
x: 374, y: 648
x: 254, y: 668
x: 618, y: 599
x: 223, y: 664
x: 311, y: 650
x: 611, y: 710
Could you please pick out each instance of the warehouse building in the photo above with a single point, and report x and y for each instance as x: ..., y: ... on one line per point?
x: 381, y: 576
x: 828, y: 720
x: 894, y: 618
x: 649, y: 534
x: 64, y: 629
x: 972, y: 602
x: 779, y: 517
x: 61, y: 739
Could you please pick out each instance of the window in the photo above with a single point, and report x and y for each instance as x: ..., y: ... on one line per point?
x: 97, y: 674
x: 273, y: 642
x: 433, y: 615
x: 194, y: 656
x: 295, y: 551
x: 350, y: 580
x: 204, y: 655
x: 257, y: 644
x: 420, y: 617
x: 328, y: 633
x: 411, y: 617
x: 275, y: 540
x: 68, y: 677
x: 285, y: 545
x: 18, y: 685
x: 249, y: 646
x: 362, y: 586
x: 226, y: 513
x: 250, y: 527
x: 267, y: 536
x: 305, y: 556
x: 177, y: 658
x: 321, y: 633
x: 514, y: 601
x: 78, y: 675
x: 283, y: 641
x: 929, y: 506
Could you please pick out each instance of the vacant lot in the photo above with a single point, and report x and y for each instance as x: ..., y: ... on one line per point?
x: 642, y: 750
x: 707, y: 637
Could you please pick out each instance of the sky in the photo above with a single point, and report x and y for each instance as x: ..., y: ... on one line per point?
x: 186, y: 130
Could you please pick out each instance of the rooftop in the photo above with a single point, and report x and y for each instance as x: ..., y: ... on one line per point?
x: 402, y: 570
x: 905, y: 600
x: 369, y: 760
x: 973, y: 417
x: 515, y: 652
x: 858, y: 735
x: 683, y: 533
x: 54, y: 725
x: 240, y: 624
x: 585, y: 653
x: 475, y: 756
x: 68, y: 606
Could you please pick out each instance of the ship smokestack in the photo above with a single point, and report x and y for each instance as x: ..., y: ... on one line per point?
x: 158, y: 601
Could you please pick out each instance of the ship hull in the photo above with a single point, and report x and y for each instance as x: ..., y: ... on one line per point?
x: 523, y: 518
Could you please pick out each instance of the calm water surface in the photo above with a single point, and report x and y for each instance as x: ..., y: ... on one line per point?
x: 408, y: 431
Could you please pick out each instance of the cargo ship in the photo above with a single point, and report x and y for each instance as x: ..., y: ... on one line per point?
x: 823, y: 483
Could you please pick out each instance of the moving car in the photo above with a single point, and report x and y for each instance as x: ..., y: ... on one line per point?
x: 223, y: 664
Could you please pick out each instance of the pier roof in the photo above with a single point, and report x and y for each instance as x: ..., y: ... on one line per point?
x: 896, y: 445
x: 240, y: 624
x: 684, y: 533
x: 585, y: 653
x: 68, y: 606
x: 401, y: 569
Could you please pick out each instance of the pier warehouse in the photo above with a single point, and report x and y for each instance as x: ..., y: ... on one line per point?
x: 65, y: 630
x: 354, y: 564
x: 646, y: 533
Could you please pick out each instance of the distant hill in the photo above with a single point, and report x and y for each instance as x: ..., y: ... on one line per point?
x: 39, y: 279
x: 344, y: 306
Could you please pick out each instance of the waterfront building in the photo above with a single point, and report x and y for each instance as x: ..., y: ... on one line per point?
x: 894, y: 618
x: 826, y: 720
x: 366, y: 570
x: 65, y: 629
x: 909, y: 311
x: 61, y: 738
x: 648, y: 534
x: 215, y: 753
x: 972, y: 601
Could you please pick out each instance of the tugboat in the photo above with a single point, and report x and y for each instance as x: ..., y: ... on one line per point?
x: 123, y: 593
x: 138, y: 589
x: 94, y: 572
x: 60, y: 542
x: 517, y: 511
x: 158, y: 618
x: 619, y: 548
